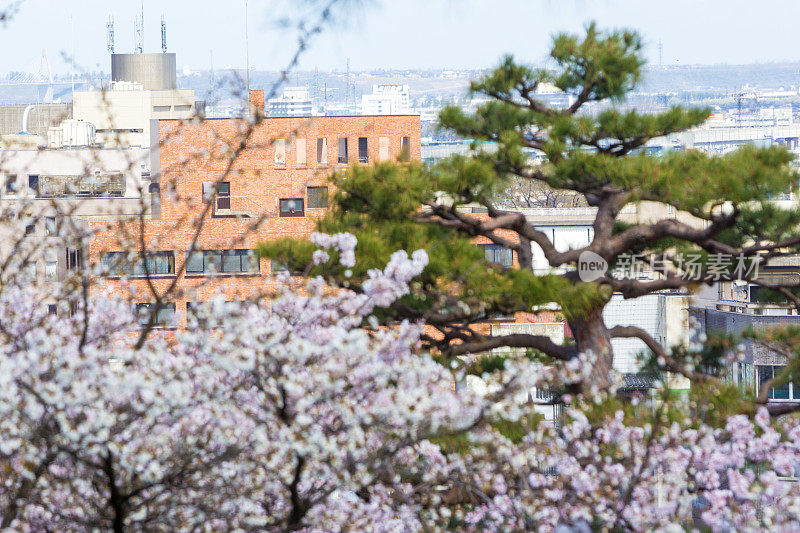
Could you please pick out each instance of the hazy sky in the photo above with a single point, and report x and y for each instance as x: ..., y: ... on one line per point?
x: 397, y: 33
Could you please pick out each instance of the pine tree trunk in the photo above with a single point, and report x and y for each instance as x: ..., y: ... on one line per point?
x: 591, y: 335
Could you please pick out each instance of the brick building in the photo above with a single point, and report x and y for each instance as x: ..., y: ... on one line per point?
x: 249, y: 182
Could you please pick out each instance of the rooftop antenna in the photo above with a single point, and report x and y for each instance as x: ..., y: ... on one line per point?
x: 110, y: 34
x: 138, y: 31
x: 163, y: 35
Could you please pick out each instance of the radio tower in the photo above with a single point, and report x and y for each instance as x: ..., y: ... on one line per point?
x: 163, y: 34
x: 110, y: 34
x: 660, y: 53
x: 347, y: 85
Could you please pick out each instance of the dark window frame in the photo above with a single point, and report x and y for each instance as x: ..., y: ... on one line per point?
x: 291, y: 212
x: 11, y: 184
x: 499, y: 255
x: 318, y: 199
x: 789, y: 391
x: 33, y: 183
x: 220, y: 262
x: 74, y: 258
x: 322, y: 141
x: 363, y: 150
x: 50, y: 226
x: 342, y: 156
x: 119, y: 264
x: 223, y: 195
x: 405, y: 148
x: 167, y: 322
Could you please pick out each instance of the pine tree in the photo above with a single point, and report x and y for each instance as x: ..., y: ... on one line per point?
x: 595, y: 148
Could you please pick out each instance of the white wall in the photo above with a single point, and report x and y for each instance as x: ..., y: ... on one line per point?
x: 563, y: 238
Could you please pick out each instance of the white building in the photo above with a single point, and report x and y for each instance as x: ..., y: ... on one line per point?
x: 386, y: 100
x: 295, y: 102
x: 121, y: 113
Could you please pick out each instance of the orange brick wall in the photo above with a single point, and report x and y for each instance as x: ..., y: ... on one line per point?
x: 193, y: 153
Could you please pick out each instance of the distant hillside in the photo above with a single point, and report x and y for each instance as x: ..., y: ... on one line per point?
x: 721, y: 77
x: 445, y: 84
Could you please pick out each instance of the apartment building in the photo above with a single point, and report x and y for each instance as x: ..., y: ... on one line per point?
x: 275, y: 185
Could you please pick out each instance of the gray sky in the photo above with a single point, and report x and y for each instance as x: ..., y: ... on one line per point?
x: 398, y: 33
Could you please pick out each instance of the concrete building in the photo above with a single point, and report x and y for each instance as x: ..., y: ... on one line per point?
x: 760, y: 364
x: 294, y: 102
x: 386, y: 100
x: 143, y: 88
x: 55, y: 192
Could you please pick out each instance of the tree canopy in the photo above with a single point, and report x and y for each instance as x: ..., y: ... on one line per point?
x: 595, y: 148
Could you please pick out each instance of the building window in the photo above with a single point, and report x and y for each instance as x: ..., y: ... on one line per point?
x: 785, y: 391
x: 30, y: 229
x: 50, y: 227
x: 498, y: 254
x: 125, y: 264
x: 322, y: 151
x: 51, y: 270
x: 33, y: 182
x: 195, y: 262
x: 291, y: 207
x: 317, y: 197
x: 277, y: 266
x: 74, y: 258
x: 11, y: 184
x: 165, y: 316
x: 363, y: 150
x: 224, y: 195
x: 383, y: 148
x: 52, y: 309
x: 300, y: 148
x: 103, y: 184
x: 280, y: 152
x: 240, y: 262
x: 222, y: 262
x: 161, y: 108
x: 342, y: 149
x: 405, y: 148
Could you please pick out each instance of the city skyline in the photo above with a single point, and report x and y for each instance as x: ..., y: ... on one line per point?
x: 446, y: 34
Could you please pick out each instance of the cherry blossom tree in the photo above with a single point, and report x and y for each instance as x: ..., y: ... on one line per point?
x: 304, y: 414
